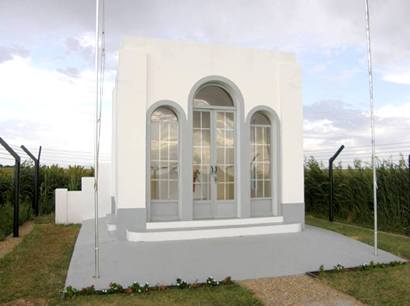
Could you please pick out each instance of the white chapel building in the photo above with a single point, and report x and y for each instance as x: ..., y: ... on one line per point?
x: 206, y: 135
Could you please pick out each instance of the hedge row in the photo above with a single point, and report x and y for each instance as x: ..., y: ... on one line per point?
x: 51, y: 177
x: 353, y: 187
x: 353, y: 192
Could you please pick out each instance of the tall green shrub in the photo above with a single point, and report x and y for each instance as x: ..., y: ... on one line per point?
x: 353, y: 187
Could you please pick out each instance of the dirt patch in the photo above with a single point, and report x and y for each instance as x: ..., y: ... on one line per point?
x: 8, y: 244
x: 297, y: 290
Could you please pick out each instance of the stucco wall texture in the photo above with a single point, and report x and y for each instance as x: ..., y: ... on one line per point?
x: 152, y: 70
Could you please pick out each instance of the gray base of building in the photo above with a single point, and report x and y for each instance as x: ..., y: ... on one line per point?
x: 293, y: 212
x: 241, y: 258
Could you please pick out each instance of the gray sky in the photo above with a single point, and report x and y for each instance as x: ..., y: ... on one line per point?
x: 46, y: 64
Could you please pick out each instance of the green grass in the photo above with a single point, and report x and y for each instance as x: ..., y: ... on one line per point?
x: 224, y: 295
x: 382, y: 286
x: 394, y: 243
x: 35, y: 271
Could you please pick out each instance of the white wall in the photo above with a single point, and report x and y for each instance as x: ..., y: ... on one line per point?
x: 151, y: 70
x: 77, y: 206
x: 131, y: 95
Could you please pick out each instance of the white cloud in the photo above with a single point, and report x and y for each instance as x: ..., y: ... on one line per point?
x: 329, y: 124
x: 49, y: 108
x: 399, y: 78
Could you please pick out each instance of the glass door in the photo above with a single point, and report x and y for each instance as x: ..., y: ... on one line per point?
x: 213, y: 163
x: 225, y: 156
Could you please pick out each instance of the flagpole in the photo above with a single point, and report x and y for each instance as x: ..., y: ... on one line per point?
x: 370, y: 70
x: 96, y: 142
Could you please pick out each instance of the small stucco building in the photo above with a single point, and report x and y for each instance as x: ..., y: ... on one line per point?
x: 206, y: 132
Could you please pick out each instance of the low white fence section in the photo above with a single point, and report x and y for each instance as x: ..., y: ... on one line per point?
x: 76, y: 206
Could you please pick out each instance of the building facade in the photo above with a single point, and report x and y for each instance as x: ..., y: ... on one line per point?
x: 206, y: 132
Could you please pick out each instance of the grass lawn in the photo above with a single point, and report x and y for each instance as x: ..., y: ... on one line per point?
x: 34, y: 273
x: 388, y: 286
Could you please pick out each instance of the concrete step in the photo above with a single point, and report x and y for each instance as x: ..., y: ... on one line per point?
x: 198, y: 224
x: 208, y: 233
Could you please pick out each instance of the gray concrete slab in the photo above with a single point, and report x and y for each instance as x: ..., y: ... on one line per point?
x: 194, y: 260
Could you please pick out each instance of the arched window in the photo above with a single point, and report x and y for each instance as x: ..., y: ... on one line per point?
x: 260, y: 159
x: 212, y: 95
x: 164, y: 154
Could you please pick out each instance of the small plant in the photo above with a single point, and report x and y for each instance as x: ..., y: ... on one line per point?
x: 211, y: 282
x: 364, y: 267
x: 141, y: 289
x: 227, y: 280
x: 115, y: 288
x: 321, y: 270
x: 70, y: 292
x: 181, y: 284
x: 88, y: 290
x: 339, y: 268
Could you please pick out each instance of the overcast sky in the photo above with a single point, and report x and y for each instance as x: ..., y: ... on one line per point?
x: 47, y: 79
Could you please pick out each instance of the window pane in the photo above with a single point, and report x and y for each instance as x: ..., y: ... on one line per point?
x: 163, y: 171
x: 229, y: 139
x: 230, y: 191
x: 163, y: 151
x: 220, y: 137
x: 206, y: 138
x: 173, y: 171
x: 230, y: 175
x: 259, y: 138
x: 220, y: 120
x: 229, y: 121
x: 164, y: 148
x: 266, y: 171
x: 173, y: 151
x: 154, y: 170
x: 155, y: 130
x: 260, y: 119
x: 212, y: 95
x: 204, y: 175
x: 220, y: 159
x: 252, y: 135
x: 229, y: 156
x: 197, y: 155
x: 206, y: 120
x: 154, y: 150
x: 163, y: 190
x: 260, y: 156
x: 220, y: 174
x: 266, y: 134
x: 197, y: 137
x: 259, y: 189
x: 173, y: 131
x: 197, y: 120
x: 196, y: 172
x: 259, y: 171
x: 220, y: 191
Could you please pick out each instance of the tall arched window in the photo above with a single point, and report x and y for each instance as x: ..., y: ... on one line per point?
x: 260, y: 159
x: 164, y: 155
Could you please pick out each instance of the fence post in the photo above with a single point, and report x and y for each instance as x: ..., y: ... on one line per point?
x: 331, y: 182
x: 36, y: 177
x: 16, y: 187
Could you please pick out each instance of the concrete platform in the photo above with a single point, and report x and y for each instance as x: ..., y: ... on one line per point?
x: 194, y: 260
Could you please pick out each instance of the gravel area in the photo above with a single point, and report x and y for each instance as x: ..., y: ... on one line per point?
x: 297, y: 290
x: 8, y: 244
